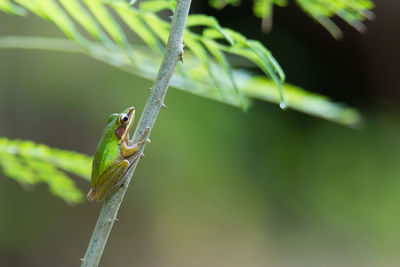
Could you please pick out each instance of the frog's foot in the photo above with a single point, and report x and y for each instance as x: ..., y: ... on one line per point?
x: 143, y: 138
x: 148, y: 141
x: 128, y: 150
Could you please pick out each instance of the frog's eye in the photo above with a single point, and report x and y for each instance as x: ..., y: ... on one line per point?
x: 124, y: 119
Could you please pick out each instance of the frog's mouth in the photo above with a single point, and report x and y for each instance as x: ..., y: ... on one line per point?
x: 131, y: 115
x: 131, y: 112
x: 126, y: 129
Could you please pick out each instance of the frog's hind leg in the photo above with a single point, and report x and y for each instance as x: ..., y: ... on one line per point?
x: 109, y: 181
x: 121, y: 181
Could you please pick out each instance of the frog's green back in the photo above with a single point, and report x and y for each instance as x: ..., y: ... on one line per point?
x: 107, y: 150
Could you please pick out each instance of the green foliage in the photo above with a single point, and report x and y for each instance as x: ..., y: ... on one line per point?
x: 206, y: 72
x: 29, y: 163
x: 263, y: 8
x: 351, y: 11
x: 93, y: 16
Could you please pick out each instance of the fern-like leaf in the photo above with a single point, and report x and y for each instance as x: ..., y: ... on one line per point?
x: 354, y: 12
x: 29, y: 163
x: 351, y: 11
x: 206, y: 72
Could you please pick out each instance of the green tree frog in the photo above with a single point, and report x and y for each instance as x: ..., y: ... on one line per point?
x: 110, y: 159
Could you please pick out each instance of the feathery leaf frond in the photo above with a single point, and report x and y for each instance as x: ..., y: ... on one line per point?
x: 96, y: 26
x: 354, y: 12
x: 29, y: 163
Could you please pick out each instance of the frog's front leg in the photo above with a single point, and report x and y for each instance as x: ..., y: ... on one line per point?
x: 109, y: 180
x: 128, y: 150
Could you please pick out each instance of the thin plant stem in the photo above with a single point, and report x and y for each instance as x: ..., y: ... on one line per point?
x: 109, y: 210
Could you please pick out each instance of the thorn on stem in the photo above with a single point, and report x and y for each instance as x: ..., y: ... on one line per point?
x: 113, y: 220
x: 164, y: 106
x: 150, y: 89
x: 142, y: 155
x: 82, y: 260
x: 180, y: 57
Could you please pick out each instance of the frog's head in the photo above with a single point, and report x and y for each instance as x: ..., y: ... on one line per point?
x: 123, y: 122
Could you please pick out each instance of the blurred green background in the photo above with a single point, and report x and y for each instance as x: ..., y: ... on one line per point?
x: 218, y: 187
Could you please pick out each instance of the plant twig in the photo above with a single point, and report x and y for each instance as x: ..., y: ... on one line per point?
x: 111, y: 205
